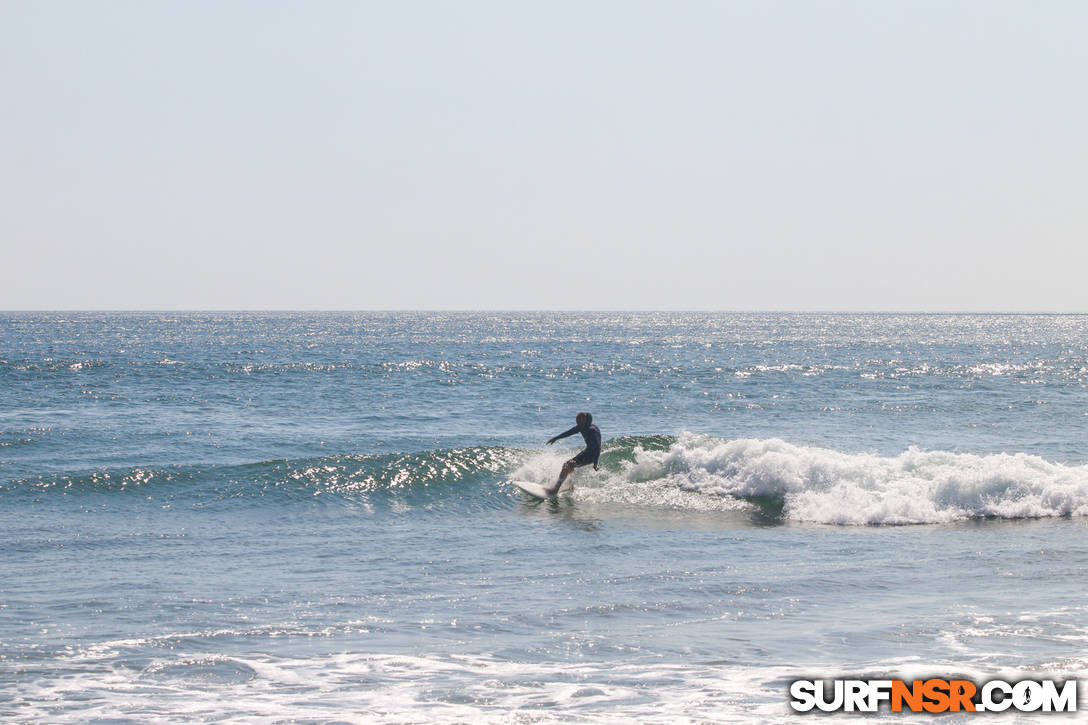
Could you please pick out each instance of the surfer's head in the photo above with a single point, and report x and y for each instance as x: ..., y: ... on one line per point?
x: 583, y: 419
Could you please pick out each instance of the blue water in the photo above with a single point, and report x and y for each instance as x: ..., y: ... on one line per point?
x: 308, y: 517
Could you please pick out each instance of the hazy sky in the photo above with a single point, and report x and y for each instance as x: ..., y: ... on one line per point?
x: 764, y: 155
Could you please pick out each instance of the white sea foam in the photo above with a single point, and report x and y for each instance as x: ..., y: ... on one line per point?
x: 827, y: 486
x: 389, y: 688
x: 354, y: 687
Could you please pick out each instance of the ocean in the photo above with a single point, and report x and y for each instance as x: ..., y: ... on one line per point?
x: 308, y: 517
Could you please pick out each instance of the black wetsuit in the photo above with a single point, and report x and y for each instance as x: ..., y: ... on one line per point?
x: 592, y: 435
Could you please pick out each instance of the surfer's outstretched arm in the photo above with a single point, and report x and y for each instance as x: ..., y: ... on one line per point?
x: 565, y: 434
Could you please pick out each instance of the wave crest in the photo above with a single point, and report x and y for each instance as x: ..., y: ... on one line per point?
x: 826, y: 486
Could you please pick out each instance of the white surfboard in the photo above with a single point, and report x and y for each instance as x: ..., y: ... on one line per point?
x: 533, y: 489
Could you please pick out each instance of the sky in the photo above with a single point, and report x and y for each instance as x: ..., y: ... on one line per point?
x: 765, y: 155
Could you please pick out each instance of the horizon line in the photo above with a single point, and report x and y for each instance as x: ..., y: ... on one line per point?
x: 496, y: 310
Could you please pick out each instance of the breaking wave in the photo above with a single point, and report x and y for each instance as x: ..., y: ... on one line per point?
x: 785, y: 481
x: 831, y: 487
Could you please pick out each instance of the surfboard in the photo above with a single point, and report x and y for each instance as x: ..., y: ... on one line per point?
x: 533, y: 489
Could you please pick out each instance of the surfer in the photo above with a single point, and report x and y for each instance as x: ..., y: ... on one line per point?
x: 592, y: 453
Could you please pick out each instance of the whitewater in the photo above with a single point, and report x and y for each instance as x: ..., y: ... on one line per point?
x: 273, y: 517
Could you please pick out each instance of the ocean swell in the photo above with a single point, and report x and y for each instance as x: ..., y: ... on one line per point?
x: 779, y: 480
x: 348, y: 474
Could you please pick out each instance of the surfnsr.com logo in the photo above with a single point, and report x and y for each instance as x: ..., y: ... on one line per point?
x: 933, y: 695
